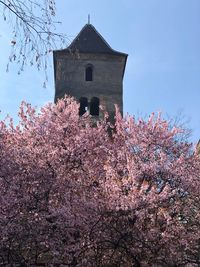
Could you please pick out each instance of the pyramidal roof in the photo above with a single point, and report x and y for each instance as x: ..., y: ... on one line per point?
x: 90, y: 41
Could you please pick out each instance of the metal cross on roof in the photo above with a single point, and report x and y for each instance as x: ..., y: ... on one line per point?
x: 88, y: 18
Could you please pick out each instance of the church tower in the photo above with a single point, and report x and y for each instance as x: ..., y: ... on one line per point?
x: 92, y: 72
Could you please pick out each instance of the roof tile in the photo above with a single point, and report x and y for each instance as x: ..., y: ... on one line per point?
x: 90, y: 41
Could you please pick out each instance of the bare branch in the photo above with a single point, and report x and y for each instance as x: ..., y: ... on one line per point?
x: 34, y: 33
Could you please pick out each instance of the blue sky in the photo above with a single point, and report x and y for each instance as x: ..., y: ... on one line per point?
x: 162, y: 38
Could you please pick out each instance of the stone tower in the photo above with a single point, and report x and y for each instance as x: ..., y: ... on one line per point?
x: 92, y: 72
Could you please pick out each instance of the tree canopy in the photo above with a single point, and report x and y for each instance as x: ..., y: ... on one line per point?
x: 78, y: 193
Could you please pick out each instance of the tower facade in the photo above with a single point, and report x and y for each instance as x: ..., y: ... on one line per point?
x: 92, y: 72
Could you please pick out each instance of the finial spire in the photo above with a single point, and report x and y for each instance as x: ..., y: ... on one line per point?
x: 88, y: 18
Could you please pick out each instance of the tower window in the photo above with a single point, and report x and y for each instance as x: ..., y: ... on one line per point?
x: 83, y: 105
x: 94, y: 106
x: 89, y: 73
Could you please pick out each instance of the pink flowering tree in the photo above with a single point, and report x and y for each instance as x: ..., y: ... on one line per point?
x: 78, y: 193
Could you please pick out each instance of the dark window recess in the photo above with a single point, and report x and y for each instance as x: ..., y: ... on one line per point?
x: 83, y: 105
x: 89, y: 73
x: 94, y: 106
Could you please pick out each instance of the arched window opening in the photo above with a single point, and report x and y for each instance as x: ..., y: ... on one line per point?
x: 89, y: 73
x: 94, y: 106
x: 83, y: 105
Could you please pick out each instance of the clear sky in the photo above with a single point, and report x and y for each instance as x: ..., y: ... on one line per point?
x: 162, y: 38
